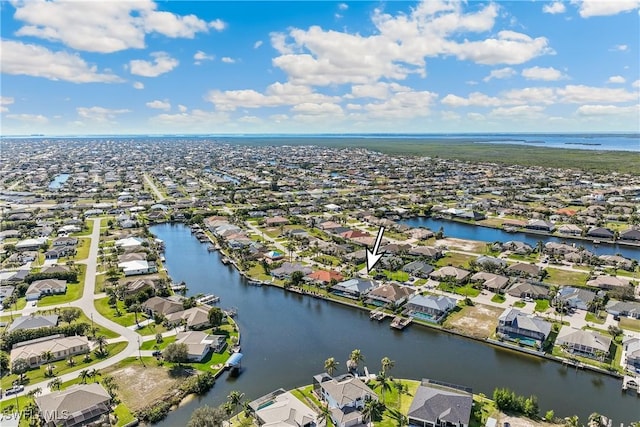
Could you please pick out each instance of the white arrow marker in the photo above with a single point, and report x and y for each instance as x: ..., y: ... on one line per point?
x: 373, y: 256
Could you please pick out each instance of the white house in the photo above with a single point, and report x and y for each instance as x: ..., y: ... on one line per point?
x: 135, y: 267
x: 43, y: 287
x: 345, y: 396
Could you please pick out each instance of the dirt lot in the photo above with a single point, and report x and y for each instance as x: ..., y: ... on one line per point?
x: 461, y: 244
x: 479, y: 321
x: 139, y: 386
x: 522, y: 422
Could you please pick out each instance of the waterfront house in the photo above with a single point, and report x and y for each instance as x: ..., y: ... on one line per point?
x: 617, y: 261
x: 493, y: 282
x: 430, y: 307
x: 389, y: 293
x: 287, y: 268
x: 516, y: 325
x: 43, y: 287
x: 199, y: 344
x: 608, y: 282
x: 570, y: 229
x: 137, y: 267
x: 584, y: 343
x: 194, y: 317
x: 528, y: 290
x: 458, y: 275
x: 624, y: 308
x: 324, y: 277
x: 130, y: 243
x: 281, y: 408
x: 631, y: 234
x: 78, y: 405
x: 60, y: 347
x: 574, y: 297
x: 132, y: 256
x: 631, y: 347
x: 556, y: 248
x: 418, y: 268
x: 600, y: 233
x: 353, y: 288
x: 33, y: 322
x: 516, y: 247
x: 132, y: 287
x: 161, y: 305
x: 345, y: 396
x: 437, y: 404
x: 541, y: 225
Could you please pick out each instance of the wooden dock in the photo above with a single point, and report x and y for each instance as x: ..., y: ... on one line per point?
x: 400, y: 322
x: 208, y: 298
x: 378, y: 314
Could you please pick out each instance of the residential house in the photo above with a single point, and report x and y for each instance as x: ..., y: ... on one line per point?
x: 575, y: 297
x: 524, y: 269
x: 281, y: 408
x: 60, y: 347
x: 75, y: 406
x: 345, y: 397
x: 528, y: 290
x: 584, y: 343
x: 64, y: 241
x: 6, y: 292
x: 287, y: 268
x: 132, y: 287
x: 493, y: 282
x: 514, y: 324
x: 618, y: 262
x: 33, y: 322
x: 631, y: 348
x: 324, y: 277
x: 539, y: 224
x: 600, y: 233
x: 624, y: 308
x: 437, y: 404
x: 432, y: 308
x: 134, y: 268
x: 353, y: 288
x: 30, y: 244
x: 428, y: 252
x: 570, y: 229
x: 608, y: 282
x: 43, y: 287
x: 132, y: 256
x: 489, y: 262
x: 199, y: 344
x: 459, y: 275
x: 389, y: 293
x: 161, y: 305
x: 194, y: 317
x: 630, y: 234
x: 276, y: 221
x: 418, y: 268
x: 130, y: 243
x: 517, y: 247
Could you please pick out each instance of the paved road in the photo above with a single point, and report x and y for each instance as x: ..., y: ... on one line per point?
x: 86, y: 304
x: 155, y: 190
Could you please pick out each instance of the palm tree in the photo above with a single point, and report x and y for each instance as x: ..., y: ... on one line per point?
x: 93, y: 373
x: 354, y: 359
x: 572, y: 421
x: 136, y: 308
x: 387, y: 364
x: 330, y: 365
x: 371, y: 410
x: 101, y: 340
x: 235, y: 399
x: 400, y: 418
x: 324, y: 415
x: 110, y: 385
x: 402, y: 389
x: 47, y: 356
x: 55, y: 383
x: 383, y: 382
x: 84, y: 374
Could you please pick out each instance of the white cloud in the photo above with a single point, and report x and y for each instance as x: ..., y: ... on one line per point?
x: 406, y: 104
x: 104, y: 27
x: 554, y: 8
x: 379, y: 90
x: 589, y: 8
x: 38, y: 61
x: 607, y: 110
x: 397, y: 46
x: 449, y: 115
x: 501, y: 73
x: 616, y: 79
x: 529, y: 95
x: 200, y: 56
x: 218, y: 25
x: 518, y: 112
x: 636, y: 84
x: 138, y: 85
x: 474, y: 99
x: 277, y: 94
x: 36, y: 119
x: 250, y: 119
x: 100, y: 114
x: 182, y: 108
x: 475, y: 116
x: 580, y: 94
x: 619, y: 48
x: 5, y: 100
x: 228, y: 60
x: 343, y: 6
x: 257, y: 44
x: 159, y: 105
x: 542, y: 73
x: 162, y: 63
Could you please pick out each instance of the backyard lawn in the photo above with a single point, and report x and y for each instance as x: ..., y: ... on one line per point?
x: 74, y: 290
x: 630, y: 324
x: 564, y: 277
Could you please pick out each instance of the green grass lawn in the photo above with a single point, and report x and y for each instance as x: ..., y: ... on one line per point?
x: 455, y: 259
x: 519, y: 304
x: 257, y: 272
x: 82, y: 251
x: 61, y: 367
x: 630, y: 324
x: 9, y: 408
x: 74, y: 291
x: 399, y: 276
x: 100, y: 281
x: 87, y: 232
x: 125, y: 319
x: 151, y: 328
x: 498, y: 298
x: 592, y: 318
x: 564, y: 277
x: 542, y: 305
x: 327, y: 260
x: 466, y: 290
x: 150, y: 345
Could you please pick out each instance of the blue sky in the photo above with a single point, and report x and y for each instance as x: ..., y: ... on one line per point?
x: 82, y: 67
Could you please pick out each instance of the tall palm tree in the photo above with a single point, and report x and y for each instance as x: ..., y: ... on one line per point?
x: 371, y: 410
x: 354, y: 359
x: 387, y: 364
x: 402, y: 389
x: 136, y: 308
x: 47, y: 356
x: 235, y: 399
x: 84, y: 374
x: 101, y: 340
x: 330, y: 365
x: 55, y: 383
x: 324, y: 415
x: 383, y: 383
x: 400, y: 418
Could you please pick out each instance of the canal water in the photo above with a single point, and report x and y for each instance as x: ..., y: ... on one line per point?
x: 286, y: 338
x: 462, y: 230
x: 59, y: 181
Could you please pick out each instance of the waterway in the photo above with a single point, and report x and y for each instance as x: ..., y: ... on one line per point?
x: 59, y: 181
x: 462, y: 230
x: 286, y: 338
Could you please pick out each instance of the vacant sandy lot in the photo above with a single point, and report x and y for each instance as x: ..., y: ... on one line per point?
x: 522, y: 422
x: 461, y: 244
x: 139, y: 386
x: 479, y: 321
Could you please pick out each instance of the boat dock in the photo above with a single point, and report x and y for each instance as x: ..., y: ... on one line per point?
x: 178, y: 287
x: 378, y: 314
x: 631, y: 384
x: 208, y: 298
x: 400, y: 322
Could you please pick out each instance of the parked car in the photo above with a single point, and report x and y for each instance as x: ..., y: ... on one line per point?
x: 14, y: 390
x: 156, y: 353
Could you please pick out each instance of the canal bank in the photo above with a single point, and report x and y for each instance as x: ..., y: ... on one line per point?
x: 287, y: 337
